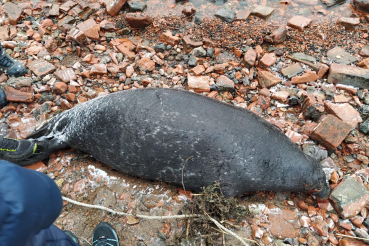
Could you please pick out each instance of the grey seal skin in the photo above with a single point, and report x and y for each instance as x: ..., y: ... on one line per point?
x: 150, y: 133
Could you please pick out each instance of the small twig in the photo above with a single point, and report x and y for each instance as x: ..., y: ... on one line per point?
x: 360, y: 238
x: 221, y: 227
x: 188, y: 228
x: 207, y: 235
x: 305, y: 62
x: 86, y: 241
x: 184, y: 164
x: 229, y: 223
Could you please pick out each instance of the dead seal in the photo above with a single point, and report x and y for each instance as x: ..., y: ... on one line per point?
x: 172, y: 135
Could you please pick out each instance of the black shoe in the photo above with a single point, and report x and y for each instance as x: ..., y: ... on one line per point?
x: 104, y: 235
x: 3, y: 100
x: 15, y: 150
x: 9, y: 65
x: 72, y: 236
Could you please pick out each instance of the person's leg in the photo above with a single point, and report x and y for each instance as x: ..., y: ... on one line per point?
x: 9, y: 65
x: 29, y: 202
x: 52, y: 236
x: 104, y: 235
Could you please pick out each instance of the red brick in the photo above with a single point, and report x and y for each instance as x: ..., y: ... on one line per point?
x: 76, y: 35
x: 189, y: 44
x: 168, y: 38
x: 299, y: 22
x: 66, y: 75
x: 113, y: 6
x: 4, y: 32
x: 250, y: 57
x: 60, y: 87
x: 71, y: 97
x: 199, y: 69
x: 90, y: 29
x: 331, y: 131
x: 13, y: 12
x: 268, y: 60
x: 308, y: 76
x: 126, y: 48
x: 138, y: 20
x: 198, y: 83
x: 145, y: 64
x: 267, y: 79
x: 350, y: 242
x: 38, y: 166
x: 98, y: 69
x: 13, y: 95
x: 41, y: 67
x: 283, y: 223
x: 344, y: 112
x: 321, y: 227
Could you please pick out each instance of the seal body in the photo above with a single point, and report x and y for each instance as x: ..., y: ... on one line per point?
x: 184, y: 138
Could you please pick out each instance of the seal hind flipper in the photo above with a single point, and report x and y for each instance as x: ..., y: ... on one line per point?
x: 46, y: 143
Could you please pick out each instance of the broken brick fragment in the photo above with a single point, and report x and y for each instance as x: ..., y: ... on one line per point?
x: 168, y: 38
x: 13, y: 95
x: 331, y: 131
x: 267, y: 79
x: 113, y: 6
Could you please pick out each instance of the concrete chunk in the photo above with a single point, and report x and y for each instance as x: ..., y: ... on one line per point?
x: 348, y: 75
x: 349, y: 197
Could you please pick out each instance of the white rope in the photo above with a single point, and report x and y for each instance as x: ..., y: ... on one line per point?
x: 184, y: 216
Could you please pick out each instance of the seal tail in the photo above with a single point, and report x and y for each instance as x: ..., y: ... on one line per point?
x: 43, y: 150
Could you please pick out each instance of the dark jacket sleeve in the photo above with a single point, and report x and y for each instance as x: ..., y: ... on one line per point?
x: 29, y: 202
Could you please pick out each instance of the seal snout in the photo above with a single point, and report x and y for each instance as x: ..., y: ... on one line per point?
x: 324, y: 192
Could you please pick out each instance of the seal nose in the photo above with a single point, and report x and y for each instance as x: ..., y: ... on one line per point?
x: 324, y: 192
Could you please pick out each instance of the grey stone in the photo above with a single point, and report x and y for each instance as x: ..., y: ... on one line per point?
x: 224, y: 83
x: 361, y: 233
x: 292, y: 70
x: 364, y: 127
x: 348, y: 197
x: 192, y: 62
x: 315, y: 152
x: 348, y: 75
x: 199, y: 51
x: 366, y: 222
x: 226, y: 14
x: 330, y: 3
x: 304, y: 57
x: 19, y: 81
x: 263, y: 11
x: 136, y: 6
x: 210, y: 52
x: 160, y: 47
x: 339, y: 55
